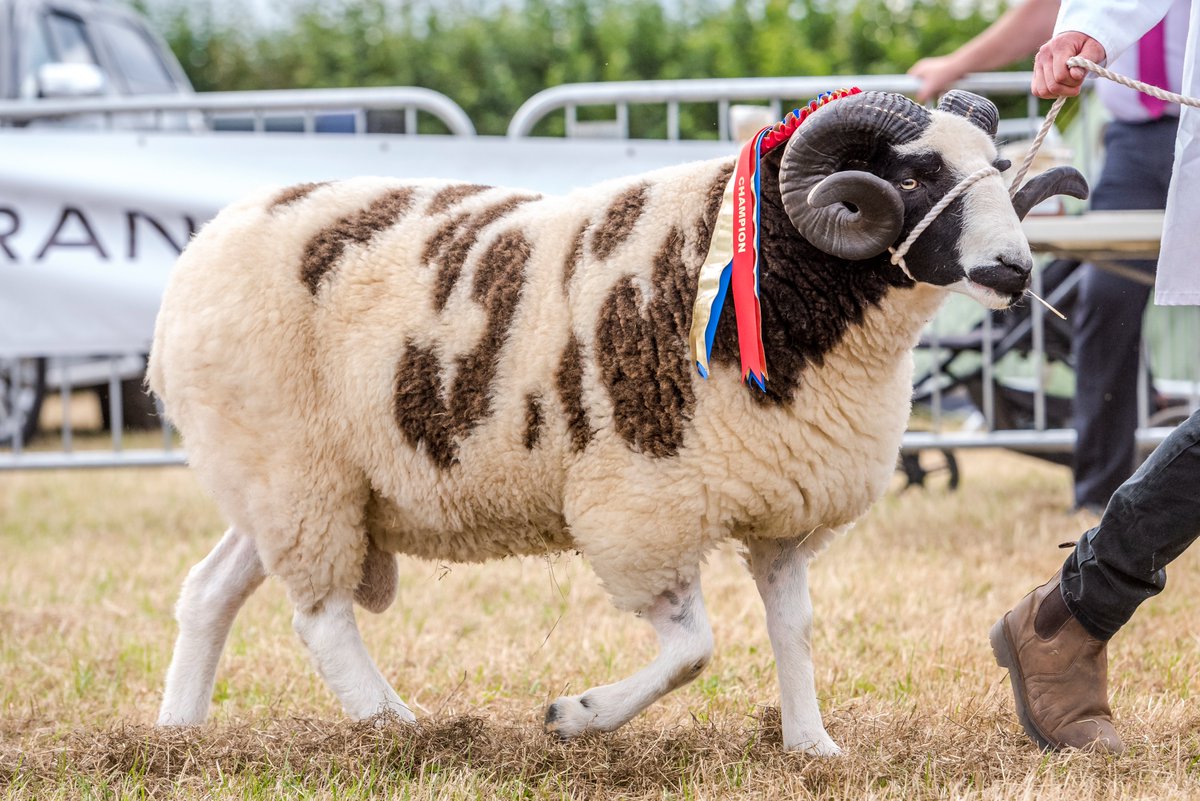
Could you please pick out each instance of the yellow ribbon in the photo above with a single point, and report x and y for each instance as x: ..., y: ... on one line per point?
x: 720, y: 252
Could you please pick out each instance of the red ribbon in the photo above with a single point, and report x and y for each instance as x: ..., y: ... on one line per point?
x: 744, y: 280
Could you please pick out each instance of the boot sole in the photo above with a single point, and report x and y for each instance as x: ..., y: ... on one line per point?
x: 1004, y: 651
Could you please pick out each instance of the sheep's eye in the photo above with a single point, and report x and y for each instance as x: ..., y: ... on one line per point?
x: 908, y: 184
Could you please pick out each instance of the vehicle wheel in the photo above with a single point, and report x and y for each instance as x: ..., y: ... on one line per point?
x: 1170, y: 416
x: 138, y: 412
x: 22, y: 389
x: 917, y: 468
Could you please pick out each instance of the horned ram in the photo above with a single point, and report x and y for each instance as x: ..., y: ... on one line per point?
x: 461, y: 372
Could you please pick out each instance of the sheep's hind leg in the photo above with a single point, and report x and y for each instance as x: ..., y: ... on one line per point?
x: 330, y: 633
x: 780, y: 569
x: 686, y: 644
x: 212, y: 594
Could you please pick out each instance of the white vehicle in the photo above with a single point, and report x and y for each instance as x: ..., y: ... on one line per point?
x: 82, y: 48
x: 69, y: 49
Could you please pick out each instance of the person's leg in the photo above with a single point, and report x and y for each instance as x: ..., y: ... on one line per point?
x: 1106, y: 342
x: 1150, y: 520
x: 1054, y: 642
x: 1107, y: 320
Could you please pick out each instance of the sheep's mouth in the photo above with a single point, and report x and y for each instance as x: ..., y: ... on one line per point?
x: 985, y: 295
x: 997, y: 284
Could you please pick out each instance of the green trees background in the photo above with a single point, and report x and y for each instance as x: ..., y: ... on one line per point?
x: 490, y: 55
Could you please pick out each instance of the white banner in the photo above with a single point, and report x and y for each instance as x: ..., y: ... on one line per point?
x: 90, y: 222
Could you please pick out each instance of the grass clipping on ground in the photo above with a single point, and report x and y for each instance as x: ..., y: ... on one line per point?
x: 906, y: 681
x: 468, y: 756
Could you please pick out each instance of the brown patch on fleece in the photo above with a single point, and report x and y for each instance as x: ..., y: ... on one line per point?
x: 452, y: 196
x: 418, y: 407
x: 450, y: 244
x: 420, y: 412
x: 294, y: 193
x: 377, y: 588
x: 808, y: 297
x: 643, y: 355
x: 533, y: 421
x: 569, y: 380
x: 618, y: 221
x: 328, y: 245
x: 499, y: 279
x: 574, y: 256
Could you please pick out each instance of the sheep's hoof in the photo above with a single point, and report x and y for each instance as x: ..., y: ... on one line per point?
x: 819, y: 745
x: 391, y: 715
x: 569, y: 717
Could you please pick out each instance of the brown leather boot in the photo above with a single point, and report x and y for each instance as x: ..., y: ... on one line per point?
x: 1059, y: 673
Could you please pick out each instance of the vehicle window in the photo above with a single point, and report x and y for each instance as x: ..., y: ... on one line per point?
x: 37, y: 53
x: 136, y: 59
x: 38, y: 48
x: 71, y: 43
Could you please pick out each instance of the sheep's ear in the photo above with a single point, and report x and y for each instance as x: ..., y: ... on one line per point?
x: 979, y: 110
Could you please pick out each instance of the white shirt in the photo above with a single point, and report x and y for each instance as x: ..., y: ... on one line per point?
x: 1122, y: 102
x: 1117, y: 25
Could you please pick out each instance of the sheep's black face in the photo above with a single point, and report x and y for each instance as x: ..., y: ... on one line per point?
x: 976, y: 246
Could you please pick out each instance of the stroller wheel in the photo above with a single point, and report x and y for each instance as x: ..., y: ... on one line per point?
x: 928, y: 468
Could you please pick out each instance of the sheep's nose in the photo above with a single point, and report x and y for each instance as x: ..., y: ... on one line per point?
x: 1007, y: 274
x: 1021, y: 265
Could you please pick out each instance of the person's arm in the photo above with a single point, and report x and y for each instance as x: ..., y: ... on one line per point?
x: 1014, y: 36
x: 1095, y: 30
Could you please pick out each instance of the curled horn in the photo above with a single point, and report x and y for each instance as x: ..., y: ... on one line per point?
x: 848, y: 213
x: 980, y: 111
x: 1055, y: 181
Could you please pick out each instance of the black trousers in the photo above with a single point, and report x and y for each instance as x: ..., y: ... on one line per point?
x: 1151, y: 519
x: 1107, y: 319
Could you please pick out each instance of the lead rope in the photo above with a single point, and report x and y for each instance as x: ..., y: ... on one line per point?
x: 1080, y: 61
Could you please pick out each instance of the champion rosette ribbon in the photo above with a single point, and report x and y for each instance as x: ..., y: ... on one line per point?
x: 733, y: 252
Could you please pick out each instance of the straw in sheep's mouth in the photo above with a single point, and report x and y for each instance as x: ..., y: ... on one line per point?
x: 1045, y: 303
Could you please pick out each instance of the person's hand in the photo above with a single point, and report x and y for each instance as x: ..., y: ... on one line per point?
x: 1051, y: 75
x: 936, y: 74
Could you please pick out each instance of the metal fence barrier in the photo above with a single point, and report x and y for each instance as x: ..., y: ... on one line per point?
x: 609, y: 109
x: 26, y: 384
x: 620, y: 96
x: 157, y: 112
x: 970, y: 367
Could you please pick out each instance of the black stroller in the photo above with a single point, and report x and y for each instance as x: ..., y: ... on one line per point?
x: 954, y: 377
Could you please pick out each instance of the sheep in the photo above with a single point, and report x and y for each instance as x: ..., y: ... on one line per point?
x: 461, y: 373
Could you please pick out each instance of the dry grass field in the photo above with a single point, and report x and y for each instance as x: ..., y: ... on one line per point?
x: 90, y: 564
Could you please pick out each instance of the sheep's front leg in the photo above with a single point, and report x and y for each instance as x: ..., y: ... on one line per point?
x: 685, y: 646
x: 212, y: 594
x: 330, y: 633
x: 780, y: 569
